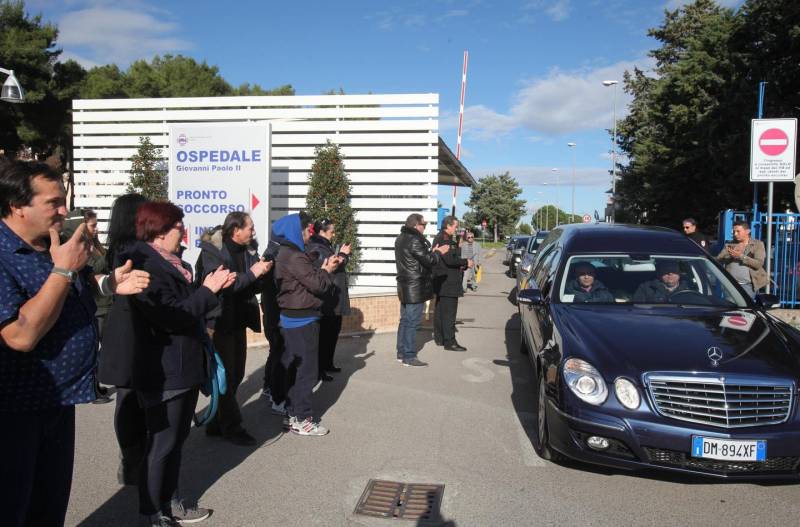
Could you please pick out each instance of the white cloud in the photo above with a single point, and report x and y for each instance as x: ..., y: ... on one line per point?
x: 538, y: 176
x: 102, y: 34
x: 557, y: 10
x: 560, y: 103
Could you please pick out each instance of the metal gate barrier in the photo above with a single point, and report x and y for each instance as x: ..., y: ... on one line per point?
x: 785, y: 254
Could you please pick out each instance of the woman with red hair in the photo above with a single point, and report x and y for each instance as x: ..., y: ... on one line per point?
x: 169, y: 364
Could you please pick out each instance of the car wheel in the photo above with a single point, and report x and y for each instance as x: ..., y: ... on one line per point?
x: 542, y: 442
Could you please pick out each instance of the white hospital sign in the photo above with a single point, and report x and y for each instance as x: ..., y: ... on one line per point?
x: 216, y: 169
x: 773, y: 149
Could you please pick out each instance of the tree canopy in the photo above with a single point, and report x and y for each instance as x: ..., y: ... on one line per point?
x: 687, y: 136
x: 495, y: 198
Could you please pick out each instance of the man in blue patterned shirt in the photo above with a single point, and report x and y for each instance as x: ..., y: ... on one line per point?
x: 48, y: 342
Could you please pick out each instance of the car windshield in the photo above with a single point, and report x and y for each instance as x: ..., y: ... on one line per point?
x: 647, y: 279
x: 520, y: 242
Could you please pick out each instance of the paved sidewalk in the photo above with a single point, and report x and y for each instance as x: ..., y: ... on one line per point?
x: 463, y: 422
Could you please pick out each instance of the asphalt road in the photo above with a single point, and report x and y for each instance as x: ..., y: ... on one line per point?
x: 464, y: 422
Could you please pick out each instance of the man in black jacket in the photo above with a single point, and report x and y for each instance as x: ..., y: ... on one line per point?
x: 231, y: 247
x: 414, y: 260
x: 447, y: 285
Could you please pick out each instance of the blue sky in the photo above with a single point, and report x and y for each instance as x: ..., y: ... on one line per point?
x: 535, y: 69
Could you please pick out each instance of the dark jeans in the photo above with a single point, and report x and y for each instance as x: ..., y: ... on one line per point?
x: 168, y: 425
x: 131, y: 429
x: 329, y: 329
x: 302, y: 349
x: 444, y: 319
x: 410, y: 318
x: 275, y: 376
x: 232, y: 349
x: 37, y: 450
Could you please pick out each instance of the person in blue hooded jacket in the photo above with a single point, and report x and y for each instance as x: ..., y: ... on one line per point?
x: 301, y: 289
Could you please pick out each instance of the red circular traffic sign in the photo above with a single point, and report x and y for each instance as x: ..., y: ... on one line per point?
x: 773, y: 142
x: 587, y: 218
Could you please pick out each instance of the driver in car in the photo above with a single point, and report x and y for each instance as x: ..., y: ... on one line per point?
x: 586, y: 287
x: 667, y: 284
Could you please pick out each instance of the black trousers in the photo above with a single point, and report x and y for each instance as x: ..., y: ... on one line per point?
x: 329, y: 329
x: 37, y: 451
x: 130, y: 428
x: 168, y: 425
x: 444, y: 319
x: 232, y: 349
x: 301, y: 353
x: 275, y: 375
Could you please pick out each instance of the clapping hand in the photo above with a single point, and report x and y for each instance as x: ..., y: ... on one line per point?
x: 345, y: 249
x: 74, y: 253
x: 219, y: 279
x: 442, y: 249
x: 125, y: 280
x: 330, y: 264
x: 261, y: 267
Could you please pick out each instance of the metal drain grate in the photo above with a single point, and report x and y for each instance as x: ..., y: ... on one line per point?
x: 403, y: 501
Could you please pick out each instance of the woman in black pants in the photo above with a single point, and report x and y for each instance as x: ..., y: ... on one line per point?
x: 337, y: 303
x: 169, y: 364
x: 115, y: 363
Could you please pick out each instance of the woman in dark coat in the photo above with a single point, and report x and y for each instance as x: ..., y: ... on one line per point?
x: 337, y: 302
x: 118, y: 345
x: 169, y: 359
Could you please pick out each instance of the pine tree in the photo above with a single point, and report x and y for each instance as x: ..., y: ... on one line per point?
x: 148, y: 174
x: 329, y: 197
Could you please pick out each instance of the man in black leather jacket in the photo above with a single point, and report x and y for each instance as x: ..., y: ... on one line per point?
x: 415, y: 260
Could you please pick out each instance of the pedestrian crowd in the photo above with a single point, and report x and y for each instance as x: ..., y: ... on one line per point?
x: 76, y: 316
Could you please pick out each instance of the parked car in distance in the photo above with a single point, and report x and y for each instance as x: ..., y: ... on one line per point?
x: 647, y: 354
x: 528, y: 257
x: 516, y: 254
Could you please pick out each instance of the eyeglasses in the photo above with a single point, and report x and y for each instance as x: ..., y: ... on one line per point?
x: 687, y: 227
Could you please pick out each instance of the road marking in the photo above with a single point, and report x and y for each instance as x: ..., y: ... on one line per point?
x: 475, y: 365
x: 527, y: 420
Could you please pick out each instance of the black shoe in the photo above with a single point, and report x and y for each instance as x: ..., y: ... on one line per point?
x: 102, y: 399
x: 325, y: 377
x: 333, y: 369
x: 240, y: 437
x: 414, y: 362
x: 455, y: 346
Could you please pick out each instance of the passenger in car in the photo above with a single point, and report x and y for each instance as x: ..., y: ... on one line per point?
x: 586, y: 287
x: 667, y: 284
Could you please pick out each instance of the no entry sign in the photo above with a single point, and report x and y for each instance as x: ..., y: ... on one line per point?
x: 773, y: 149
x: 587, y: 218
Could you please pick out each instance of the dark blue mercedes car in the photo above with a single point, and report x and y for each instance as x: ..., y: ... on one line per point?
x: 648, y: 354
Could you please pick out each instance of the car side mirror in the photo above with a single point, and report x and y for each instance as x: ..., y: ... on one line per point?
x: 530, y: 297
x: 767, y: 301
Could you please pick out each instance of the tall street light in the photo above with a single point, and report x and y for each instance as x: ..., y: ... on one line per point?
x: 613, y: 153
x: 11, y: 90
x: 558, y: 205
x: 572, y: 147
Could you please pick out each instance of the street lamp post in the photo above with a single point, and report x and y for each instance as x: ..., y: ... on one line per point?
x: 572, y: 147
x: 11, y: 90
x: 613, y: 153
x: 558, y: 204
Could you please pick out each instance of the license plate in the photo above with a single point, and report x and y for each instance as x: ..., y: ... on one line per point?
x: 729, y: 449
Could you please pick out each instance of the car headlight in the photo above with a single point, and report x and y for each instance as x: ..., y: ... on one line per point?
x: 525, y: 268
x: 585, y: 381
x: 517, y: 258
x: 627, y: 393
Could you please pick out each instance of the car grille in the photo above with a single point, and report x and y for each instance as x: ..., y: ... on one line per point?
x: 719, y: 402
x: 674, y: 458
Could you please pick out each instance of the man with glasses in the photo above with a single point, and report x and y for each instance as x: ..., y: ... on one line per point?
x: 690, y: 230
x: 415, y: 261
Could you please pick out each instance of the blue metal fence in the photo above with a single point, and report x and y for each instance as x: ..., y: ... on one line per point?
x: 785, y: 254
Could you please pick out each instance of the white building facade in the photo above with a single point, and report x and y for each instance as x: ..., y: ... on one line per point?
x: 391, y: 147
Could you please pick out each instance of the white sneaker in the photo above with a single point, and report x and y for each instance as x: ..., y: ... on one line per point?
x: 306, y: 427
x: 279, y: 409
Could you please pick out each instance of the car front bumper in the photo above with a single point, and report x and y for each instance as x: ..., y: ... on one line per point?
x: 655, y: 442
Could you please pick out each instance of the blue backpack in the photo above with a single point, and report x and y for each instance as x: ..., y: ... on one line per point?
x: 215, y: 385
